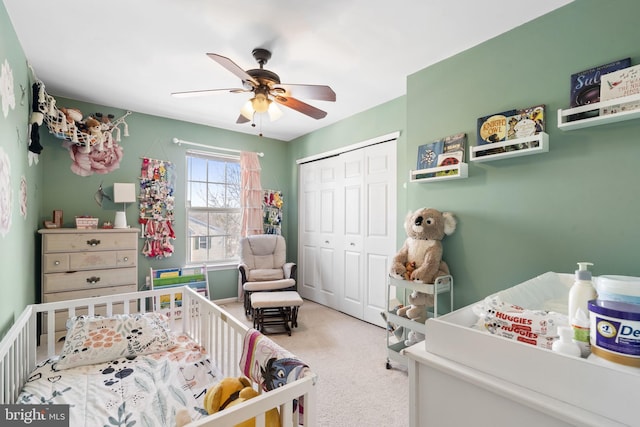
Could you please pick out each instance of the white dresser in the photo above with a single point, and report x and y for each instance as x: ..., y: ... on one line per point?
x: 87, y: 263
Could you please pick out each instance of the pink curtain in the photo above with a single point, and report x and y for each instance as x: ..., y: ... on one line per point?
x: 251, y: 195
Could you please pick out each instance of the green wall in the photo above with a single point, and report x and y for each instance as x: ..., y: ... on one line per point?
x: 517, y: 217
x: 18, y: 248
x: 151, y: 137
x: 522, y: 217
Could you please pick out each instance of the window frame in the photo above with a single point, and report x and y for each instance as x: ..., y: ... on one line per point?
x: 190, y: 239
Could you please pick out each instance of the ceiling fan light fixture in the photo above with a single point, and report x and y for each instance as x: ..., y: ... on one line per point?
x: 247, y: 110
x: 274, y: 112
x: 260, y: 103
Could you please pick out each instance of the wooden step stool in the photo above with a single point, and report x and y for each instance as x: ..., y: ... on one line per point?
x: 275, y: 308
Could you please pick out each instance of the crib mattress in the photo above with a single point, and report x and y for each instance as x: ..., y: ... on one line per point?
x: 147, y: 390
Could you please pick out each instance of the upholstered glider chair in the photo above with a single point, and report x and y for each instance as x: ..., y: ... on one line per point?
x: 263, y: 266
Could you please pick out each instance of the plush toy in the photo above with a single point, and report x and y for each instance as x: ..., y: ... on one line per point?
x: 227, y: 393
x: 413, y: 337
x: 73, y: 116
x: 410, y: 267
x: 94, y: 129
x: 425, y: 230
x: 35, y: 121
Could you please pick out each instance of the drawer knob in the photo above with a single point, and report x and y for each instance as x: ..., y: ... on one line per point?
x: 93, y: 280
x: 126, y: 258
x: 56, y: 263
x: 93, y: 242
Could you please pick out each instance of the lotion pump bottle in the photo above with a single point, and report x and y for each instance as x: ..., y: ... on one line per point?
x: 564, y: 344
x: 580, y: 294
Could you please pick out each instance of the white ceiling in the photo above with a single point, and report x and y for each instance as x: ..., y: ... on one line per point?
x: 132, y: 54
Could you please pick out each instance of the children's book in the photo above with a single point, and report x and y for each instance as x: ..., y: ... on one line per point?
x: 526, y: 122
x: 492, y: 129
x: 428, y: 157
x: 619, y: 84
x: 453, y: 149
x: 585, y: 86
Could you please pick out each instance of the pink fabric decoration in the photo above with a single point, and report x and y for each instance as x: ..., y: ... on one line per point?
x: 251, y: 194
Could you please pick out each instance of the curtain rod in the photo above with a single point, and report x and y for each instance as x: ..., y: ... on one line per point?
x: 181, y: 141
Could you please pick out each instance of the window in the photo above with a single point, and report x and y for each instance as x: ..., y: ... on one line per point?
x: 214, y: 215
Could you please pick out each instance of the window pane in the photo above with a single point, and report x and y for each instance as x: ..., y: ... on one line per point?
x: 217, y: 170
x: 213, y: 187
x: 216, y: 195
x: 197, y: 194
x: 197, y: 169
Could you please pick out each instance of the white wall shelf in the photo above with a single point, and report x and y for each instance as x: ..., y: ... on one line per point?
x: 564, y: 115
x: 477, y: 153
x: 461, y: 168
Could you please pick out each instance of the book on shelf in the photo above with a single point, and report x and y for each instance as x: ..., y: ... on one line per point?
x: 618, y: 84
x: 453, y: 149
x: 435, y: 153
x: 428, y: 157
x: 585, y: 86
x: 525, y: 122
x: 492, y: 129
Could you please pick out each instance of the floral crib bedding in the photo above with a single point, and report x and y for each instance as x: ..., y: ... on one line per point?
x: 142, y: 390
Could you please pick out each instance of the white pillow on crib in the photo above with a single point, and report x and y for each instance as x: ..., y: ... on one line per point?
x: 97, y: 339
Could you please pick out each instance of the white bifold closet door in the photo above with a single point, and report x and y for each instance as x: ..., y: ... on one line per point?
x: 347, y: 223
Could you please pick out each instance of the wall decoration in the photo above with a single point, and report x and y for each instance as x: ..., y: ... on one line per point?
x: 5, y: 193
x: 23, y: 196
x: 157, y: 179
x: 272, y: 211
x: 92, y: 140
x: 100, y: 195
x: 6, y: 88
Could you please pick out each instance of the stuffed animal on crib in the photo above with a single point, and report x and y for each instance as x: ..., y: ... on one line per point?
x: 425, y: 230
x: 227, y: 393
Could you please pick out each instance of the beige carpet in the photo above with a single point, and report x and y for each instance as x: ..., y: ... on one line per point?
x: 349, y: 356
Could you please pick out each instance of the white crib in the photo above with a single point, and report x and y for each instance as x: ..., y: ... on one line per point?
x: 206, y: 323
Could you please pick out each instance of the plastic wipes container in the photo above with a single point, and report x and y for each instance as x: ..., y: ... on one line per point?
x: 619, y: 288
x: 615, y: 331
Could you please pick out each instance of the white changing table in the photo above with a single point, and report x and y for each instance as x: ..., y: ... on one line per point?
x: 460, y: 376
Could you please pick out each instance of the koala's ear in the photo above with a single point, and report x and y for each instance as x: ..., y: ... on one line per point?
x: 449, y: 223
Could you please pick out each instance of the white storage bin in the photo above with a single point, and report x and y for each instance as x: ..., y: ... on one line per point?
x: 604, y: 391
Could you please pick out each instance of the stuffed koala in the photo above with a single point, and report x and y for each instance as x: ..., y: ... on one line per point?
x: 425, y: 230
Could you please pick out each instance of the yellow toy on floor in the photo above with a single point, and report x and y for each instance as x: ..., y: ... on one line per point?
x: 227, y: 393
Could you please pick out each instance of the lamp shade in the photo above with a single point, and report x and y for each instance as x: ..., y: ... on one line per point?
x: 124, y: 193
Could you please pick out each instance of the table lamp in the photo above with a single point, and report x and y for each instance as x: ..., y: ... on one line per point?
x: 123, y: 193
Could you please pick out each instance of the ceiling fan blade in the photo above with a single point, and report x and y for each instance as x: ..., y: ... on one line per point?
x: 319, y: 92
x: 242, y: 119
x: 192, y: 93
x: 233, y: 67
x: 301, y: 107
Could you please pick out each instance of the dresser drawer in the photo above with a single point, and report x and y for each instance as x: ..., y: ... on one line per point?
x: 77, y: 242
x: 52, y: 263
x: 88, y: 280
